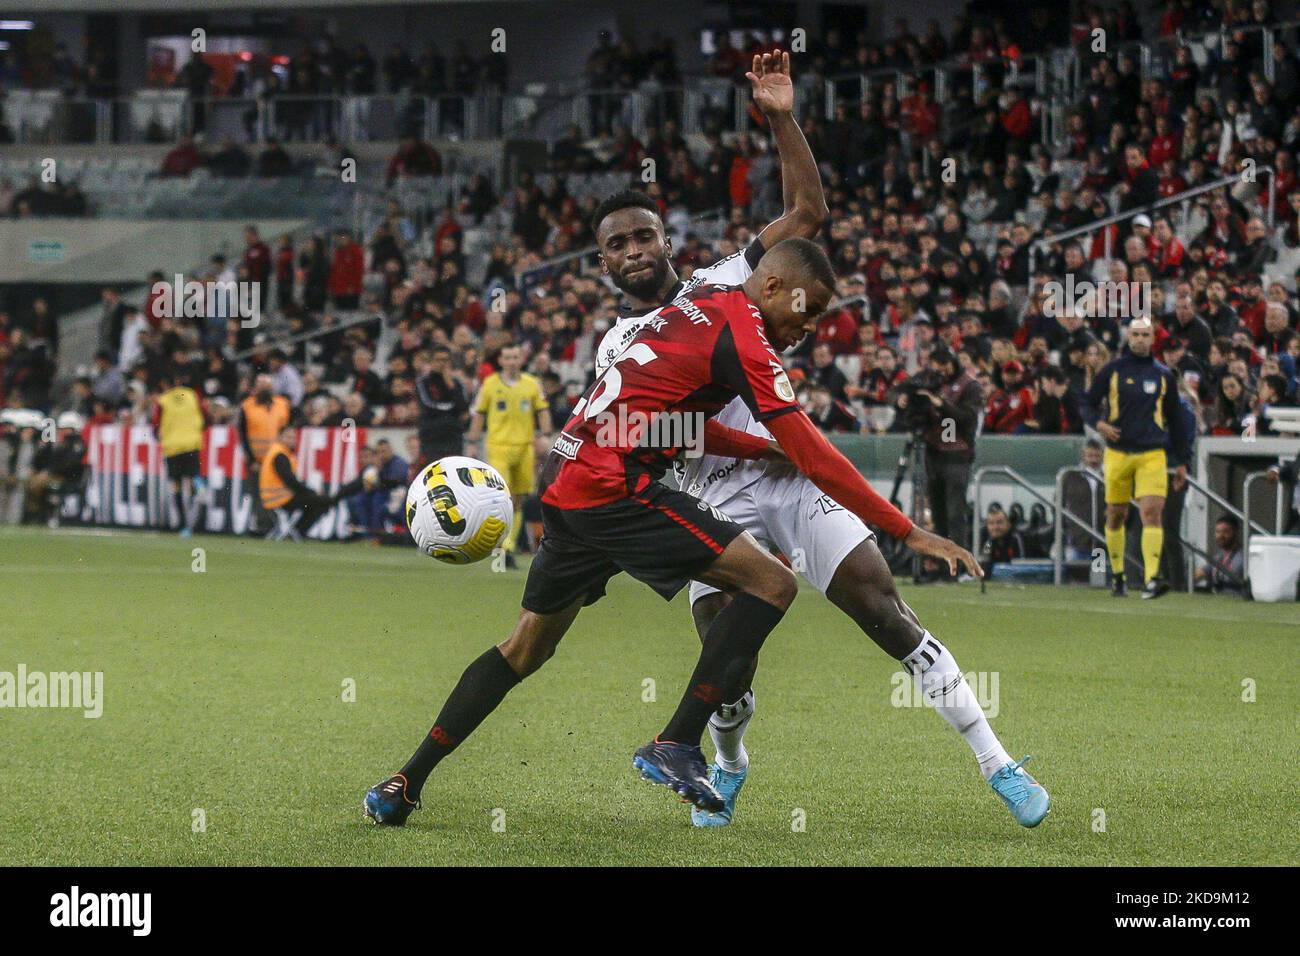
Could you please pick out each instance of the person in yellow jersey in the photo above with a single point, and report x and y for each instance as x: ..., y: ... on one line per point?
x: 262, y: 415
x: 1143, y: 417
x: 511, y: 407
x: 178, y: 423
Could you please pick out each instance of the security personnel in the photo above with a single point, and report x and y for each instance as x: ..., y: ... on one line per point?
x: 513, y: 407
x: 279, y: 486
x: 178, y: 420
x: 263, y: 416
x: 1142, y: 419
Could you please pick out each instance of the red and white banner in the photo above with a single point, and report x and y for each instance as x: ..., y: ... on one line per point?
x: 127, y: 484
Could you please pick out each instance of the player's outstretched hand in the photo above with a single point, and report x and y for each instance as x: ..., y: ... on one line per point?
x: 931, y: 545
x: 770, y: 79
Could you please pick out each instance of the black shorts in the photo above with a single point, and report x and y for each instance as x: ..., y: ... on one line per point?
x: 661, y: 536
x: 184, y: 465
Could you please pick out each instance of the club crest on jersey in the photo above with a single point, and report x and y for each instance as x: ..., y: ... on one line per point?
x: 1150, y: 387
x: 784, y: 390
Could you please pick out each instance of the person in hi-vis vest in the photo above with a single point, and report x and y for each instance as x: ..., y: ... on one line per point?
x: 278, y: 485
x: 262, y: 415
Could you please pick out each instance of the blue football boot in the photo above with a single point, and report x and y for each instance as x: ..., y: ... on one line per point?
x: 680, y: 768
x: 387, y: 804
x: 728, y: 784
x: 1023, y: 795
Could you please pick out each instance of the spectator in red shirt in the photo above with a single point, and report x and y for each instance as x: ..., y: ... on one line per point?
x: 1165, y: 250
x: 448, y: 225
x: 881, y: 380
x: 346, y: 272
x: 1011, y: 405
x: 1016, y: 118
x: 158, y: 290
x: 920, y: 115
x: 1252, y: 306
x: 284, y: 256
x: 182, y: 160
x: 839, y: 330
x: 257, y: 260
x: 414, y: 158
x: 1171, y: 180
x: 1140, y: 185
x: 1164, y: 145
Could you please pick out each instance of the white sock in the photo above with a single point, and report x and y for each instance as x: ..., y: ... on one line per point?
x: 937, y: 676
x: 727, y: 728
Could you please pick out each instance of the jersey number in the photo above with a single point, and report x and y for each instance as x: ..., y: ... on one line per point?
x: 611, y: 383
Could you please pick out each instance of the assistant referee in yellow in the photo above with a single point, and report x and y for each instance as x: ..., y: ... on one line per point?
x: 1142, y: 419
x: 511, y: 407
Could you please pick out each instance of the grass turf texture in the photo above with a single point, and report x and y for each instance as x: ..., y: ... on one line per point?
x: 223, y: 692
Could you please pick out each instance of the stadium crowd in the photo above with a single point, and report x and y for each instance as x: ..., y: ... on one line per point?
x: 934, y: 212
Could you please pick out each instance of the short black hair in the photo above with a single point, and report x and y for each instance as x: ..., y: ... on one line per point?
x: 626, y: 199
x: 1277, y: 383
x: 811, y: 258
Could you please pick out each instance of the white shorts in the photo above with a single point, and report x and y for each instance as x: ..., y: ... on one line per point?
x: 791, y: 515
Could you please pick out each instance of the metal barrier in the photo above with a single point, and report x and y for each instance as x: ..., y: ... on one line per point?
x: 1058, y: 512
x: 1246, y: 522
x: 1061, y: 513
x: 1278, y: 519
x: 1184, y: 198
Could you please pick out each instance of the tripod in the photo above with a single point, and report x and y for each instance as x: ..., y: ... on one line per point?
x: 909, y: 461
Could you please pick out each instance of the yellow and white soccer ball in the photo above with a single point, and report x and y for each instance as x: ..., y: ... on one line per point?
x: 458, y: 510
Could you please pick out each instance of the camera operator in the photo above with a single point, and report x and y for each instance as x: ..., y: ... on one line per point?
x: 941, y: 405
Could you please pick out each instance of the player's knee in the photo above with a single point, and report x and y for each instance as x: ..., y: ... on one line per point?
x: 530, y: 646
x: 782, y: 587
x: 706, y: 608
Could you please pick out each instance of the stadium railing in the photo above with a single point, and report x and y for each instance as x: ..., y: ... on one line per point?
x: 1279, y: 518
x: 1182, y: 199
x: 161, y: 115
x: 1055, y: 503
x: 1061, y: 513
x: 1246, y: 522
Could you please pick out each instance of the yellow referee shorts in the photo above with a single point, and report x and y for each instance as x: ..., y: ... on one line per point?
x: 517, y: 466
x: 1132, y: 475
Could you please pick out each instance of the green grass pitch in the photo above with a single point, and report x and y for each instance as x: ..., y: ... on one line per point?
x: 224, y: 693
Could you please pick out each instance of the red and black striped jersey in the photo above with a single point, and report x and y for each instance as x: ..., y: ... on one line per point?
x: 688, y: 361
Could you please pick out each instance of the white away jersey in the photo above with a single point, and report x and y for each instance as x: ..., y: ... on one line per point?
x: 708, y: 477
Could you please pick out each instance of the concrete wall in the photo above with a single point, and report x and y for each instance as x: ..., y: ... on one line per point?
x: 116, y: 251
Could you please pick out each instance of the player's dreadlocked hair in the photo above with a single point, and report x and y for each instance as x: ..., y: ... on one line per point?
x: 627, y: 199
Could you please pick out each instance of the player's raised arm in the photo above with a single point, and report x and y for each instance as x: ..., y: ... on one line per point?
x: 805, y: 209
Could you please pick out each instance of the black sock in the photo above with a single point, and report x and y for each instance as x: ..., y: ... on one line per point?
x: 730, y: 645
x: 178, y: 496
x: 482, y: 687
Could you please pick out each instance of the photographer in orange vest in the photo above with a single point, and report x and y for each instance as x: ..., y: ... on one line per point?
x: 278, y: 485
x: 262, y: 416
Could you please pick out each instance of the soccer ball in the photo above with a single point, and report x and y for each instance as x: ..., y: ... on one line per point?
x: 458, y: 510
